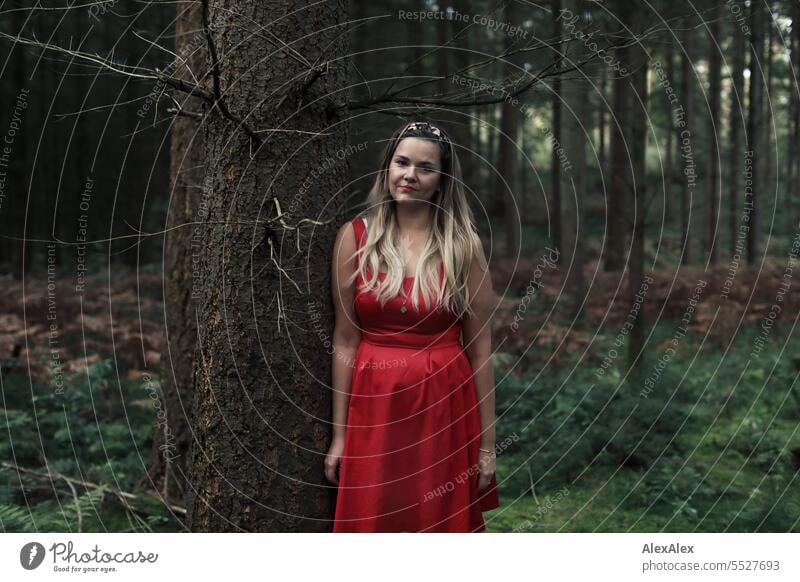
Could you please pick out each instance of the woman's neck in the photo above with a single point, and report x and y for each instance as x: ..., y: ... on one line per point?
x: 413, y: 221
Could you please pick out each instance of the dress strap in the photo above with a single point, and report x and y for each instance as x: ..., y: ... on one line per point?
x: 360, y: 231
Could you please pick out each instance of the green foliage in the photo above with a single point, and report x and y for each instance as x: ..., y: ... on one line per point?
x: 70, y: 516
x: 97, y: 429
x: 712, y: 445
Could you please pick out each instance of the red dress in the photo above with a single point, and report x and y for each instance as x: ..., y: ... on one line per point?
x: 413, y: 424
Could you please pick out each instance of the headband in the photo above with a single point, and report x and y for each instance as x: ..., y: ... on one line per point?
x: 424, y: 125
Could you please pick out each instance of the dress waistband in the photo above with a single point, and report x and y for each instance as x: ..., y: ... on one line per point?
x: 412, y: 341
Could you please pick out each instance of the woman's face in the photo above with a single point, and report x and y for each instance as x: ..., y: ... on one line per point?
x: 414, y: 170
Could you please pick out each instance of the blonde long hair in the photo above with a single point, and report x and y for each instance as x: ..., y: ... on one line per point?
x: 453, y: 235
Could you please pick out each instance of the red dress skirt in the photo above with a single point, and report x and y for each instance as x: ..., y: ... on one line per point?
x: 410, y: 460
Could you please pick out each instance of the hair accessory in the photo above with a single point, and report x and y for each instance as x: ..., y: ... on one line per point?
x: 424, y: 125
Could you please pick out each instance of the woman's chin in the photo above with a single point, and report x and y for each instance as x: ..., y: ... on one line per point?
x: 404, y: 198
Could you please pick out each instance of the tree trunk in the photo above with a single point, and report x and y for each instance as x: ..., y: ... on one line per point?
x: 635, y: 121
x: 736, y: 128
x: 507, y: 157
x: 555, y: 170
x: 714, y: 132
x: 687, y: 80
x: 620, y: 169
x: 669, y: 203
x: 794, y: 144
x: 768, y: 176
x: 262, y: 409
x: 754, y: 129
x: 16, y: 187
x: 170, y: 462
x: 601, y: 121
x: 573, y: 176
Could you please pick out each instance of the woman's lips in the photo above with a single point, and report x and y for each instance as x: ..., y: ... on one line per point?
x: 406, y: 188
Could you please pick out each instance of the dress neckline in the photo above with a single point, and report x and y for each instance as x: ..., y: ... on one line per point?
x: 410, y: 276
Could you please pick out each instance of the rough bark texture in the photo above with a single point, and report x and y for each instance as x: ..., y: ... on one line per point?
x: 169, y: 460
x: 262, y: 402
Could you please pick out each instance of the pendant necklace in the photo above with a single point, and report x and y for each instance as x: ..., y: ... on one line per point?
x: 403, y: 307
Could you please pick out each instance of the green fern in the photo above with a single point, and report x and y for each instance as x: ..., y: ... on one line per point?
x: 48, y: 516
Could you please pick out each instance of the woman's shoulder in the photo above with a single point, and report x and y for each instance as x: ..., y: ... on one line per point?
x: 358, y: 224
x: 351, y: 230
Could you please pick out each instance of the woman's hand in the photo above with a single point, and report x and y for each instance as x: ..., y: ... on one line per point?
x: 486, y: 469
x: 333, y: 460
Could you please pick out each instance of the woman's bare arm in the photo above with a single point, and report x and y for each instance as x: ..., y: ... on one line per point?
x: 477, y: 331
x: 346, y: 332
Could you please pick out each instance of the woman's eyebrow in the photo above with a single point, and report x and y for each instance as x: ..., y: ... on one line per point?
x: 426, y: 162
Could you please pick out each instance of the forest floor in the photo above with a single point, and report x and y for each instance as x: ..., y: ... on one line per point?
x: 717, y: 490
x: 47, y: 324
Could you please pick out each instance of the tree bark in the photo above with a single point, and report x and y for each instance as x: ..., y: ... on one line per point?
x: 507, y: 158
x: 620, y: 168
x: 262, y: 403
x: 170, y: 463
x: 794, y: 144
x: 669, y: 203
x: 687, y: 80
x: 636, y: 122
x: 754, y: 129
x: 736, y: 123
x: 573, y: 179
x: 714, y: 131
x: 555, y: 169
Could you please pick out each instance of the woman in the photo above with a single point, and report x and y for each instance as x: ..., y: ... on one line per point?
x: 413, y: 407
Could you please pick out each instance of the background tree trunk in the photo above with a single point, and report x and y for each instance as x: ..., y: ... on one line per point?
x: 669, y: 172
x: 714, y: 131
x: 737, y: 107
x: 507, y: 156
x: 620, y: 168
x: 794, y: 135
x: 754, y: 122
x: 687, y: 94
x: 573, y: 175
x: 555, y: 165
x: 635, y: 192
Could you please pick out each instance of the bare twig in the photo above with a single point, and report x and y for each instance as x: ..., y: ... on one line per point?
x: 123, y: 496
x: 219, y: 102
x: 75, y: 497
x: 178, y: 110
x: 141, y: 234
x: 278, y: 265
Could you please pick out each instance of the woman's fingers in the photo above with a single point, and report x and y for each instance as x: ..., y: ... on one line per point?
x: 331, y: 465
x: 484, y: 480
